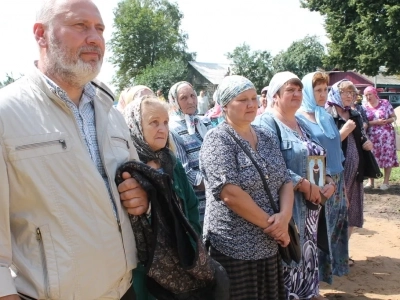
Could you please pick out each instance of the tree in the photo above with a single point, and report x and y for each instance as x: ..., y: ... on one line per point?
x: 302, y: 57
x: 254, y: 65
x: 9, y: 79
x: 163, y: 74
x: 145, y: 31
x: 364, y: 34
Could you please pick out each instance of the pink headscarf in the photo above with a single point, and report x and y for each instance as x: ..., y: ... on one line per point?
x: 372, y: 90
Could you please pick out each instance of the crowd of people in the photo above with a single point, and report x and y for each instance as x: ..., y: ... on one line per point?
x: 66, y: 226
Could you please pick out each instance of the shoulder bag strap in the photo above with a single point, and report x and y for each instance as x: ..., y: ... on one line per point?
x: 266, y: 188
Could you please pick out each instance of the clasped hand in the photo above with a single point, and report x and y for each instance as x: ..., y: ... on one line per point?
x: 278, y: 229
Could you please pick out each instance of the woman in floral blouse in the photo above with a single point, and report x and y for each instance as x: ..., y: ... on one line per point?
x: 240, y: 225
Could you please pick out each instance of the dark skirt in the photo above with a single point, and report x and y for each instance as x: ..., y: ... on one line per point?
x: 253, y: 279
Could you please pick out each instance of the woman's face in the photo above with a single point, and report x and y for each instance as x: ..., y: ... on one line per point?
x: 242, y: 108
x: 289, y: 98
x: 347, y: 95
x: 187, y: 99
x: 321, y: 94
x: 155, y: 125
x: 370, y: 96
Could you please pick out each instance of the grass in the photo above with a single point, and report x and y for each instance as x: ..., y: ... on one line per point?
x: 395, y: 175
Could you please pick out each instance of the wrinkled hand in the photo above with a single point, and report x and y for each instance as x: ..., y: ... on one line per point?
x: 315, y: 195
x: 278, y: 226
x: 368, y: 146
x: 349, y: 126
x: 284, y: 240
x: 133, y: 196
x: 327, y: 190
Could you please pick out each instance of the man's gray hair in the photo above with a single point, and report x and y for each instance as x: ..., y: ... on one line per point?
x: 45, y: 12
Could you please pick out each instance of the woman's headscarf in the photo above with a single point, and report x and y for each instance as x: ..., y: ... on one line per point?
x: 310, y: 105
x: 230, y: 87
x: 334, y: 97
x: 193, y: 122
x: 277, y: 81
x: 130, y: 94
x: 133, y: 118
x: 371, y: 89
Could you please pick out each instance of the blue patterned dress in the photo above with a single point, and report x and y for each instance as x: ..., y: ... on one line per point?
x: 302, y: 280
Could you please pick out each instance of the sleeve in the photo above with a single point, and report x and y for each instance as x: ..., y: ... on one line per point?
x: 194, y: 176
x: 218, y: 162
x: 191, y: 201
x: 7, y: 286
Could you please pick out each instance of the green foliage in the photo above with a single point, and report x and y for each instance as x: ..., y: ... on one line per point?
x: 9, y: 79
x: 145, y: 31
x: 254, y: 65
x: 163, y: 74
x: 364, y: 34
x: 302, y: 57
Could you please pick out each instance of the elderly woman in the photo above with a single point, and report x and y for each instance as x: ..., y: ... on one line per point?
x: 147, y: 118
x: 240, y: 225
x: 312, y: 112
x: 188, y: 130
x: 354, y: 140
x: 297, y: 146
x: 381, y: 115
x: 129, y: 94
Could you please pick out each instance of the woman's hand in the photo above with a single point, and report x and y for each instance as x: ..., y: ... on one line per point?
x: 278, y: 225
x: 313, y: 193
x: 284, y: 240
x: 368, y: 146
x: 328, y: 190
x: 349, y: 126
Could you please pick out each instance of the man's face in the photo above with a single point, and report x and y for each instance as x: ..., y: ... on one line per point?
x: 75, y: 43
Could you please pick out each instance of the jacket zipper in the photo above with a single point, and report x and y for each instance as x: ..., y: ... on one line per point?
x: 44, y: 262
x: 122, y: 140
x: 42, y: 144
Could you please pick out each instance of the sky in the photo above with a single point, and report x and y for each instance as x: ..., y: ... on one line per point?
x: 215, y: 27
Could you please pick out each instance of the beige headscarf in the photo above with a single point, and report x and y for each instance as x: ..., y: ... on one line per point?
x: 128, y: 95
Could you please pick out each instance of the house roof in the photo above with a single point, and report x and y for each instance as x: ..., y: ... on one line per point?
x: 358, y: 80
x: 382, y: 80
x: 213, y: 72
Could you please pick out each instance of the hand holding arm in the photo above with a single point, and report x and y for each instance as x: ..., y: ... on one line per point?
x: 133, y: 196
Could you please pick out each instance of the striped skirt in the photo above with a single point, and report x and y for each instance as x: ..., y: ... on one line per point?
x: 253, y: 279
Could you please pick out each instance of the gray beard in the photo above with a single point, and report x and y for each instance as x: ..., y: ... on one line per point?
x: 70, y: 67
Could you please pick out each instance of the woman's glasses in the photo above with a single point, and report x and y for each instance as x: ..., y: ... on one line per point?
x: 348, y: 93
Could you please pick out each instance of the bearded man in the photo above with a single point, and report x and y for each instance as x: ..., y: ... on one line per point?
x: 63, y: 230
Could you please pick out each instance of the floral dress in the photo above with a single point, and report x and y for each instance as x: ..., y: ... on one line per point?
x: 382, y: 136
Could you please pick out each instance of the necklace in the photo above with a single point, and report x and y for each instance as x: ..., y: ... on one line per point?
x: 294, y: 127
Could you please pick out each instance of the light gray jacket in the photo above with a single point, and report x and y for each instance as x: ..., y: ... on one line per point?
x: 57, y: 226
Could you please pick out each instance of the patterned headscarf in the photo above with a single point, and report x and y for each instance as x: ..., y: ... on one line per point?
x: 133, y: 118
x: 230, y: 87
x: 334, y: 97
x: 193, y: 122
x: 277, y: 81
x: 310, y: 105
x: 130, y: 94
x: 371, y: 89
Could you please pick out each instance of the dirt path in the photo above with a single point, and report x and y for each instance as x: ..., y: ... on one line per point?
x: 375, y: 250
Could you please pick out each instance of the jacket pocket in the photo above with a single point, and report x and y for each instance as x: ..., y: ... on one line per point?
x: 51, y: 287
x: 37, y: 145
x: 119, y: 142
x: 287, y: 150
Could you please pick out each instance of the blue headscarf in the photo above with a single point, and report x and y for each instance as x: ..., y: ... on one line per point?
x: 230, y: 87
x: 334, y: 97
x: 310, y: 105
